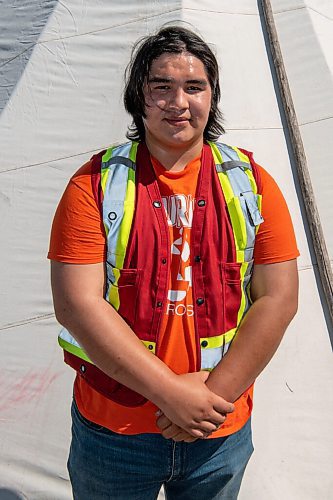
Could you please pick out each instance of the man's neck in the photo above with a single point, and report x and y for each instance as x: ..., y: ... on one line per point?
x: 174, y: 159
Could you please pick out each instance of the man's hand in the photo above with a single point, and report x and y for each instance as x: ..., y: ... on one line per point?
x: 173, y: 431
x: 190, y: 419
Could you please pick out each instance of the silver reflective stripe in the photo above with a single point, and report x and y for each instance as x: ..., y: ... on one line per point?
x: 246, y: 283
x: 242, y: 189
x: 238, y: 179
x: 227, y: 152
x: 67, y: 337
x: 228, y: 165
x: 119, y: 159
x: 115, y: 195
x: 211, y: 357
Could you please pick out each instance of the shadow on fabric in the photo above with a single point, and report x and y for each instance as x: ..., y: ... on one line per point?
x: 21, y: 24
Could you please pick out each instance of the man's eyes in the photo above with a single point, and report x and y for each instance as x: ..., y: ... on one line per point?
x: 161, y: 87
x: 190, y: 88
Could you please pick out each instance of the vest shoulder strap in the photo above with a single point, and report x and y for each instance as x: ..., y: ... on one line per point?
x: 118, y: 187
x: 240, y: 190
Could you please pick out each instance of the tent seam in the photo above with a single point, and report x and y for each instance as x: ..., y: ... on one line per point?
x: 133, y: 21
x: 54, y: 160
x: 27, y: 321
x: 223, y: 12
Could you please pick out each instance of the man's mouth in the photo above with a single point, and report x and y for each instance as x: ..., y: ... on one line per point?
x: 177, y: 121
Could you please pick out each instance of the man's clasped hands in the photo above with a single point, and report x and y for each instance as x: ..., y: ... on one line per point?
x: 196, y: 413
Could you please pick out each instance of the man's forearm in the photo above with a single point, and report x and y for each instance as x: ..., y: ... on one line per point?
x: 254, y: 345
x: 113, y: 347
x: 116, y: 350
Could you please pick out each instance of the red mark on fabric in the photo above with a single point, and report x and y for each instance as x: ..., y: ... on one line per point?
x: 26, y: 388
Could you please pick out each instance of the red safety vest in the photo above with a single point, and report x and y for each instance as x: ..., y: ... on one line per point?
x: 224, y: 225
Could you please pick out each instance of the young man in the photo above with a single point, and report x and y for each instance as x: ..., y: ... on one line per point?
x: 174, y: 275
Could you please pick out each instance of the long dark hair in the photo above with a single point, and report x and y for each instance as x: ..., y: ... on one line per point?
x: 174, y: 40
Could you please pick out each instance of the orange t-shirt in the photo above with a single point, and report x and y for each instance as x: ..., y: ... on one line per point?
x: 78, y: 237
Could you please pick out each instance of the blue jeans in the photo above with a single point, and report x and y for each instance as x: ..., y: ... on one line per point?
x: 104, y: 465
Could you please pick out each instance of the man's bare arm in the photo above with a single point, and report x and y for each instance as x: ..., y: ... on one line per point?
x: 116, y: 350
x: 274, y: 291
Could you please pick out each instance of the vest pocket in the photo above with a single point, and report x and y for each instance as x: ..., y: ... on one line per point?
x: 252, y: 202
x: 231, y: 293
x: 122, y: 291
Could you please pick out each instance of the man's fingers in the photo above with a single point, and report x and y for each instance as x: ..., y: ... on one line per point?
x: 172, y: 431
x: 200, y: 429
x: 222, y: 406
x: 216, y: 417
x: 184, y: 437
x: 163, y: 422
x: 190, y: 440
x: 207, y: 427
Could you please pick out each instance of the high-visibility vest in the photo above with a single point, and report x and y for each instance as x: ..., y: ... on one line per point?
x: 118, y: 205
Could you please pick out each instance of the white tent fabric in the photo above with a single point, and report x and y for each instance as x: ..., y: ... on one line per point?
x: 306, y: 38
x: 61, y: 77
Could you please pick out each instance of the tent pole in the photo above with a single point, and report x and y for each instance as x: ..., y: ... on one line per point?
x: 318, y: 240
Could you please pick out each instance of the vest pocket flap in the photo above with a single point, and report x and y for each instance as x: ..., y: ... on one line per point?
x: 122, y: 277
x: 129, y: 277
x: 252, y: 208
x: 231, y: 272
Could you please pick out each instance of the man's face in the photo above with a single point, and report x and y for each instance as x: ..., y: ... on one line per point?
x: 178, y: 100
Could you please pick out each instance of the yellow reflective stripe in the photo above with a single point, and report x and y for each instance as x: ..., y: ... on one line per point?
x: 126, y: 224
x: 104, y: 178
x: 123, y: 237
x: 106, y: 229
x: 151, y: 346
x: 234, y: 207
x: 223, y: 177
x: 113, y: 296
x: 242, y: 306
x: 238, y: 227
x: 241, y: 155
x: 105, y: 171
x: 252, y: 181
x: 216, y: 153
x: 133, y: 151
x: 219, y: 340
x: 107, y: 155
x: 73, y: 349
x: 259, y: 201
x: 240, y: 255
x: 226, y: 186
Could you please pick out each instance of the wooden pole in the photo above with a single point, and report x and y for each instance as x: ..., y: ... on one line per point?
x: 318, y: 240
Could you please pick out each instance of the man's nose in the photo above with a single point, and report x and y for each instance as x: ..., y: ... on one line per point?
x: 178, y: 99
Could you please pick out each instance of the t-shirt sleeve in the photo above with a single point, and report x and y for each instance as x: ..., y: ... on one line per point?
x: 275, y: 241
x: 77, y: 234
